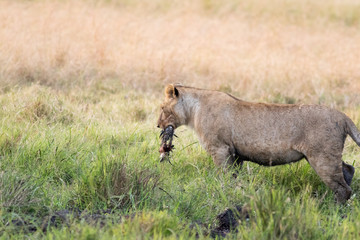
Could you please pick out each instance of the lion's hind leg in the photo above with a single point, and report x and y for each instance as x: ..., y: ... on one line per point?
x: 330, y: 170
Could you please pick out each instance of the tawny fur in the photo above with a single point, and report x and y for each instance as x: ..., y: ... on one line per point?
x: 233, y: 131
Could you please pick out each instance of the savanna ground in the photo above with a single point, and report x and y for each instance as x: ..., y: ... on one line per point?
x: 80, y: 86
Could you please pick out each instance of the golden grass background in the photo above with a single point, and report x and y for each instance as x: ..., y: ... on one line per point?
x: 279, y: 51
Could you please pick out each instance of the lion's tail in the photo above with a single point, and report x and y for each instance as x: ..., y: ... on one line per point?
x: 353, y: 131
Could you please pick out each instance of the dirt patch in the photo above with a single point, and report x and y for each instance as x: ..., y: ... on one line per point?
x: 64, y: 218
x: 229, y: 220
x: 226, y: 222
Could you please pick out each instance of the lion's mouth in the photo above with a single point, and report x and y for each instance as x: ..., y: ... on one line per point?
x: 166, y: 142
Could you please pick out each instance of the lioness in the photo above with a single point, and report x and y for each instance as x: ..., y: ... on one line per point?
x: 233, y: 131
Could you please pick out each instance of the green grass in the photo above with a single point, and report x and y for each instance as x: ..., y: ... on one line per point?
x: 80, y: 96
x: 90, y: 152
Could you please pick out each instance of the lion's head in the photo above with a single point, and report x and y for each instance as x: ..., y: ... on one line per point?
x: 172, y: 110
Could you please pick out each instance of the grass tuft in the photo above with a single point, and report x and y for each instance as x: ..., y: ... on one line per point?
x: 17, y: 191
x: 46, y: 108
x: 116, y: 185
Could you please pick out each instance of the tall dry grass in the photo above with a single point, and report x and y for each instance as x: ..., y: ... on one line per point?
x: 305, y: 51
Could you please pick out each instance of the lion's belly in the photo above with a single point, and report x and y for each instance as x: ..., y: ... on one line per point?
x: 271, y: 158
x: 268, y: 146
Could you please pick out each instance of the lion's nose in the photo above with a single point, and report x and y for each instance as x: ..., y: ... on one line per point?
x: 158, y: 126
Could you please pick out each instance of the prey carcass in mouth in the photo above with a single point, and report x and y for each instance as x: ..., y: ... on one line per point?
x: 166, y: 143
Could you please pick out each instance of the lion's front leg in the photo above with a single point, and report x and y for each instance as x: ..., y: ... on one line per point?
x: 222, y: 156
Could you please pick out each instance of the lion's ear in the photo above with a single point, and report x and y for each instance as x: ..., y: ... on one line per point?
x: 171, y: 91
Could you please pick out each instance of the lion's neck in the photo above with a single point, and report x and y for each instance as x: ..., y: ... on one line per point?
x: 191, y: 106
